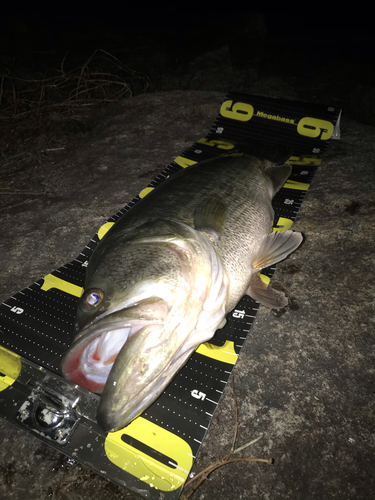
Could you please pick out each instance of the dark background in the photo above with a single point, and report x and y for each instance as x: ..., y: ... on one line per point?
x: 325, y: 57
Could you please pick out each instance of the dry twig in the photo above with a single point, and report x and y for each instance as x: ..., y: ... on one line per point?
x: 199, y: 478
x: 70, y: 90
x: 8, y: 207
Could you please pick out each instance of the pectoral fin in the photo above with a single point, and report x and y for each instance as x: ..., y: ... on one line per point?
x: 276, y: 247
x: 209, y: 217
x: 266, y: 295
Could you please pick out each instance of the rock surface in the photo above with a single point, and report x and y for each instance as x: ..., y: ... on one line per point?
x: 305, y: 378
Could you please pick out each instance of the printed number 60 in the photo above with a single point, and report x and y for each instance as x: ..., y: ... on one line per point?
x: 238, y: 111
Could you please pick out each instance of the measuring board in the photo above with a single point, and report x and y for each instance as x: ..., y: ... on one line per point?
x: 154, y: 454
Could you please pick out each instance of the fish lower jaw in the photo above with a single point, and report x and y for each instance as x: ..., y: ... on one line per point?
x: 111, y: 418
x: 108, y: 424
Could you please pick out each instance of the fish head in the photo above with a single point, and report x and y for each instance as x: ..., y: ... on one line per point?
x: 143, y: 299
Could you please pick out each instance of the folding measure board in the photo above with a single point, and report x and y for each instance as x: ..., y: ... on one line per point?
x: 153, y: 455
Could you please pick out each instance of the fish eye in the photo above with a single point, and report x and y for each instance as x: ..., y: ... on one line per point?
x: 92, y: 298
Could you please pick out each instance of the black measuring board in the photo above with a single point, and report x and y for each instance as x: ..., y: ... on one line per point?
x: 156, y: 451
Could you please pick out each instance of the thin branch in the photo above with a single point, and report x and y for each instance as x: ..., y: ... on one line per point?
x: 21, y: 191
x: 247, y: 444
x: 7, y: 207
x: 84, y: 86
x: 199, y: 478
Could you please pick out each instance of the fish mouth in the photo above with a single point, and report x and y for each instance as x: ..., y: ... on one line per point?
x: 91, y: 357
x: 91, y: 360
x: 136, y: 381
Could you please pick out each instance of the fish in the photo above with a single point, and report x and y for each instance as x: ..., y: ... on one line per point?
x: 164, y: 277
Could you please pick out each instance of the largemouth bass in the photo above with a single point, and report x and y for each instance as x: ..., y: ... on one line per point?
x: 164, y: 277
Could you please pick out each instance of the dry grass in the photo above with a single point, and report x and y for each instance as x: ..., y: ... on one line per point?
x: 65, y: 91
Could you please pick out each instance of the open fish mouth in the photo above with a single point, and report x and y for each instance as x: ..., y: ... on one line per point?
x: 99, y: 355
x: 93, y: 354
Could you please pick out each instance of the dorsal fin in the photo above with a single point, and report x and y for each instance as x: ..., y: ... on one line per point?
x: 277, y: 176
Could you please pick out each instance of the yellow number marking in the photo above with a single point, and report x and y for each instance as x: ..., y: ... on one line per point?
x: 217, y: 142
x: 284, y: 223
x: 304, y: 161
x: 312, y: 127
x: 237, y: 111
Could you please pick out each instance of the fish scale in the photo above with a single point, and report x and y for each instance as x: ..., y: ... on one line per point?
x: 227, y: 178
